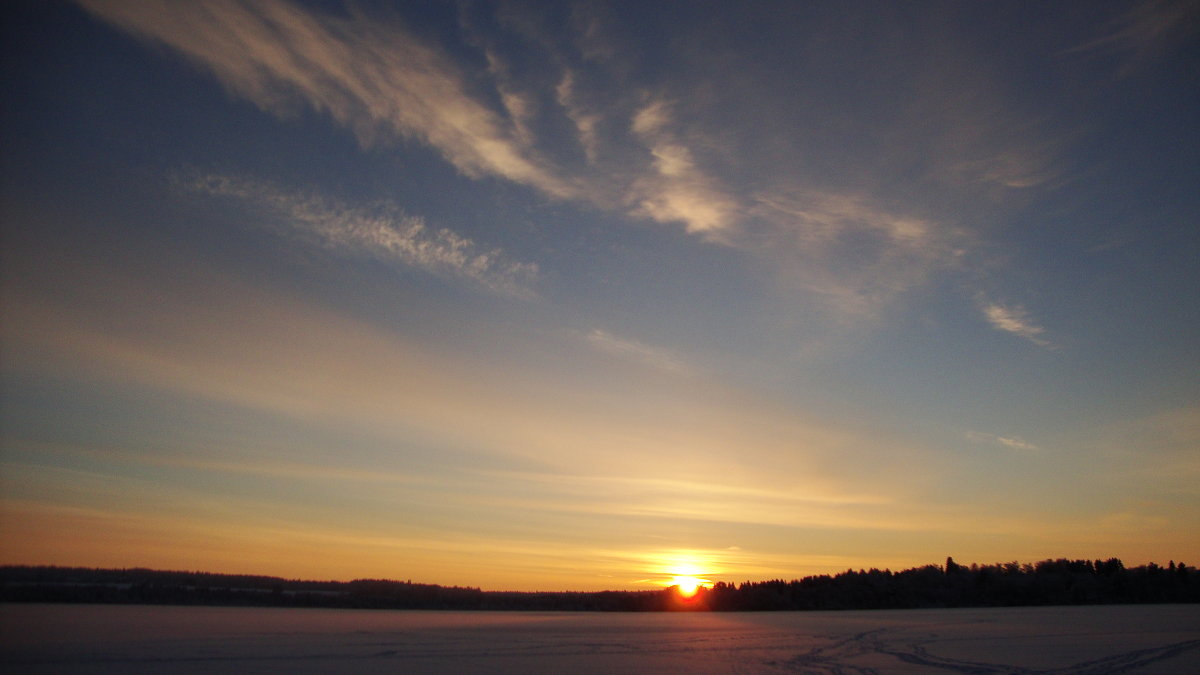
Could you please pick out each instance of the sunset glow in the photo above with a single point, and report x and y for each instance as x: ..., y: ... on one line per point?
x: 688, y: 585
x: 581, y: 296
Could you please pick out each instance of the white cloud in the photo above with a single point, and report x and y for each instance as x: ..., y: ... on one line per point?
x: 851, y: 252
x: 371, y: 76
x: 384, y: 232
x: 586, y: 123
x: 640, y: 154
x: 1011, y: 442
x: 1015, y: 320
x: 651, y: 119
x: 382, y: 82
x: 655, y: 357
x: 1015, y: 443
x: 824, y: 216
x: 1011, y: 168
x: 678, y: 190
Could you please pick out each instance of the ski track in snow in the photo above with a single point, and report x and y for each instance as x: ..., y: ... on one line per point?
x: 833, y: 659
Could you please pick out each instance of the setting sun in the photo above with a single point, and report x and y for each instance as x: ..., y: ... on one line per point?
x: 688, y: 585
x: 686, y: 571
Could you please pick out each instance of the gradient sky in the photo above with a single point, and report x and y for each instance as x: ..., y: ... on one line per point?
x: 557, y: 295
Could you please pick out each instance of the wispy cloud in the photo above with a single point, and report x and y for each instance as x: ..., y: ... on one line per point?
x: 1011, y: 168
x: 220, y: 339
x: 370, y: 75
x: 1015, y: 320
x: 1147, y: 31
x: 820, y: 217
x: 384, y: 232
x: 1011, y: 442
x: 677, y: 190
x: 643, y: 151
x: 655, y: 357
x: 586, y: 122
x: 855, y: 254
x: 384, y: 83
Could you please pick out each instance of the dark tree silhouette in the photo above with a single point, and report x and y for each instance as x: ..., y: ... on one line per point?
x: 1048, y: 582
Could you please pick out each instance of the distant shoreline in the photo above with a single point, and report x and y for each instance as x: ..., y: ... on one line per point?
x: 1049, y: 582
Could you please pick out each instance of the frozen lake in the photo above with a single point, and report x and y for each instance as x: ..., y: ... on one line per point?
x: 155, y: 639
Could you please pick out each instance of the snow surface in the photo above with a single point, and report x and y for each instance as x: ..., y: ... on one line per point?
x: 1157, y: 639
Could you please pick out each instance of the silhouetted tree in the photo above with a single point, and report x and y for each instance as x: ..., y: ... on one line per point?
x: 1059, y: 581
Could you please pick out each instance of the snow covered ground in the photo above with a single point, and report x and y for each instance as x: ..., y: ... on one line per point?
x: 1159, y: 639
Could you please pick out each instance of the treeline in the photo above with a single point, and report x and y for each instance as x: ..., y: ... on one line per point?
x: 1050, y: 582
x: 146, y: 586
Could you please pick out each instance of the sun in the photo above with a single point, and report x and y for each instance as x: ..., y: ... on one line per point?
x: 684, y: 572
x: 687, y: 585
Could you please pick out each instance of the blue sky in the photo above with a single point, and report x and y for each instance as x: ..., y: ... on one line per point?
x: 589, y: 295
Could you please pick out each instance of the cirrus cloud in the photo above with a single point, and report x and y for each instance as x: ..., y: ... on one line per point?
x: 384, y: 232
x: 1014, y: 319
x: 1010, y: 442
x: 371, y: 76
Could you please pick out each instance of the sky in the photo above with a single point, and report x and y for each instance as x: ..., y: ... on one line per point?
x: 591, y: 295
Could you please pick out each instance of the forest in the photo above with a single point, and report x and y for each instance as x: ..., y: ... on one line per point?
x: 1049, y: 582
